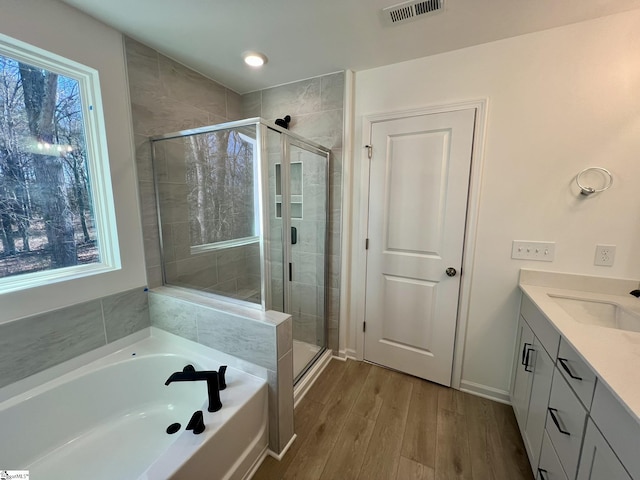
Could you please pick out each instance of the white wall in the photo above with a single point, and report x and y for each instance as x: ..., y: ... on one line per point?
x: 559, y: 101
x: 60, y: 29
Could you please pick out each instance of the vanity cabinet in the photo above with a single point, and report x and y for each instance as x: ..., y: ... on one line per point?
x: 573, y: 427
x: 532, y: 381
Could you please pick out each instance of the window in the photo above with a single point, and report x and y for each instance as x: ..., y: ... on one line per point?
x: 56, y: 206
x: 223, y: 198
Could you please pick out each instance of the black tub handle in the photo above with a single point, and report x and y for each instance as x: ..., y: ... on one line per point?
x: 543, y: 474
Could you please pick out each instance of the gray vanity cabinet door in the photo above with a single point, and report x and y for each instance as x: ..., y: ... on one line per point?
x: 523, y: 374
x: 540, y: 390
x: 598, y: 462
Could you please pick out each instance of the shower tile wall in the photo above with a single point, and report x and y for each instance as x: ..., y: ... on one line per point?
x: 167, y: 97
x: 317, y: 110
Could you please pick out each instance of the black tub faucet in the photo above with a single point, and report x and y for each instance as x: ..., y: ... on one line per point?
x: 189, y: 374
x: 635, y: 293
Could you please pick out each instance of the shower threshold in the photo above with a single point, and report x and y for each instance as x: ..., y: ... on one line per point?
x: 309, y: 372
x: 303, y: 355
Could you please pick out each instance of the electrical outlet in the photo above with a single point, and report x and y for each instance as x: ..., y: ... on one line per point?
x: 605, y: 255
x: 540, y: 251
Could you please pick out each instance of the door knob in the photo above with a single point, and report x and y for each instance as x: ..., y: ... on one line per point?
x: 451, y: 272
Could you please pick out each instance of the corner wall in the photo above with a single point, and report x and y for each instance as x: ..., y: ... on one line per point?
x: 560, y: 100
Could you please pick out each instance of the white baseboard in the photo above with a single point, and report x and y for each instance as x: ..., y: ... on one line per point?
x: 349, y: 353
x: 280, y: 456
x: 484, y: 391
x: 310, y: 377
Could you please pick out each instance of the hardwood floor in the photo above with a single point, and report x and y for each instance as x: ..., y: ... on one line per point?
x: 361, y: 421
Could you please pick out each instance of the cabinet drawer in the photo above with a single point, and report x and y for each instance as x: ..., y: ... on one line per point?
x: 550, y: 467
x: 565, y: 424
x: 621, y: 430
x: 542, y: 328
x: 598, y: 462
x: 577, y: 373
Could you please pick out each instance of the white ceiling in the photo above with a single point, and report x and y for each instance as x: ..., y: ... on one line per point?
x: 307, y: 38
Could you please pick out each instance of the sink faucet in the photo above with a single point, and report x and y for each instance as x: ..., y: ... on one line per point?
x: 635, y: 293
x: 189, y: 374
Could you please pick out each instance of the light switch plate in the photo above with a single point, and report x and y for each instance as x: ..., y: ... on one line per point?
x: 539, y: 251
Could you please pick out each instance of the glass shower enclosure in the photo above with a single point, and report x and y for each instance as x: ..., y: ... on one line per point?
x: 242, y: 213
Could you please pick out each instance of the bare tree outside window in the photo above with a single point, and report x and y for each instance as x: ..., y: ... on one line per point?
x: 46, y: 218
x: 221, y: 185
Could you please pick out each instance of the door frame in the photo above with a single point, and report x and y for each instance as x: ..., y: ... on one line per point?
x: 473, y: 202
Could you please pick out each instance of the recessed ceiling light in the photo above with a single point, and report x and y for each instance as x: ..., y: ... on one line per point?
x: 254, y: 59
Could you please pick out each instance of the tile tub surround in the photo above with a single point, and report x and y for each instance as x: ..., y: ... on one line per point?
x: 259, y: 343
x: 613, y: 354
x: 316, y: 106
x: 32, y: 344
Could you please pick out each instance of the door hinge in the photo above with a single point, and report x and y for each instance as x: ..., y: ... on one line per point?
x: 364, y: 326
x: 369, y: 151
x: 366, y: 244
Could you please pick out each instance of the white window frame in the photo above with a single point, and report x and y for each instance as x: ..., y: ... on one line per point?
x: 98, y: 166
x: 237, y: 242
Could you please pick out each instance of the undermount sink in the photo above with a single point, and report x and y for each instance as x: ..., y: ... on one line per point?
x: 599, y: 312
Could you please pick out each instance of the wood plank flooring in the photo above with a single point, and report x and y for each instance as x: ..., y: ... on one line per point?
x: 364, y: 422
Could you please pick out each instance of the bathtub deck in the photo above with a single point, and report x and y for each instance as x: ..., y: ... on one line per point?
x: 360, y: 421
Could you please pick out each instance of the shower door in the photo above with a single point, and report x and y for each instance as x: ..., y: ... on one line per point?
x: 298, y: 199
x: 308, y: 207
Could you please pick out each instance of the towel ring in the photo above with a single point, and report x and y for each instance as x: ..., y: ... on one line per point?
x: 585, y: 190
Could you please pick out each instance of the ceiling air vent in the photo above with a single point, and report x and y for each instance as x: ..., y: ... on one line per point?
x: 412, y: 10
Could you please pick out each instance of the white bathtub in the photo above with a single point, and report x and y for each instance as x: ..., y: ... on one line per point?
x: 108, y: 420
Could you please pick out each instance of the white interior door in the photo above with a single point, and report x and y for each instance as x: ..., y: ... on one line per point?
x: 419, y: 182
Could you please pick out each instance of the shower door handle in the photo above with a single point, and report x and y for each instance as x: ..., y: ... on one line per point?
x: 294, y: 235
x: 290, y: 271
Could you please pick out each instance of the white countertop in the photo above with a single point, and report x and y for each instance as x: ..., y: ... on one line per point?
x: 613, y: 354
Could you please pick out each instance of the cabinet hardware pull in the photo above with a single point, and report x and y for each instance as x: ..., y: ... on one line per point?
x: 543, y: 474
x: 552, y: 412
x: 526, y: 366
x: 524, y: 348
x: 565, y: 367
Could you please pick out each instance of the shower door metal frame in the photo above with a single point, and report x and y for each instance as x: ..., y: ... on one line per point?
x: 262, y: 189
x: 289, y: 140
